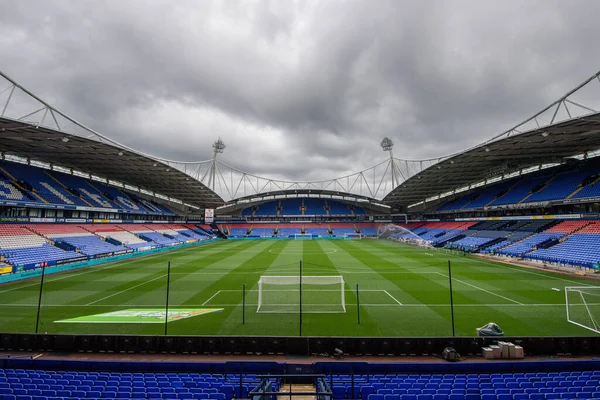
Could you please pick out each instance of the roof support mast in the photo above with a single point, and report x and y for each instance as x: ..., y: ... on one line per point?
x: 218, y: 147
x: 388, y: 145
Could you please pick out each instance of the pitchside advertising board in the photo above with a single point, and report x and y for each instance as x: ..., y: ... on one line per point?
x: 209, y: 215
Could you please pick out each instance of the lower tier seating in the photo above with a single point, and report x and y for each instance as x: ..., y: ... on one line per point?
x: 571, y: 242
x: 29, y: 245
x: 53, y: 385
x: 494, y: 386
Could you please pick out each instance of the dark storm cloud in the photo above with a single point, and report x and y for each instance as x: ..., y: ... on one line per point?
x: 302, y: 90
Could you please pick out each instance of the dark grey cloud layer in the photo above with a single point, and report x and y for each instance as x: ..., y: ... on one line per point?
x: 299, y: 89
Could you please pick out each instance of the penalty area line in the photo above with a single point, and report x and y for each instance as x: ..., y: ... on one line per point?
x: 211, y: 297
x: 393, y: 298
x: 483, y: 290
x: 124, y: 290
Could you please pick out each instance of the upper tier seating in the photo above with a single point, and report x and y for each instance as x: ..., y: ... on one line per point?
x: 47, y: 188
x: 314, y: 207
x: 291, y: 207
x: 266, y: 209
x: 19, y: 182
x: 592, y: 190
x: 485, y: 197
x: 560, y: 186
x: 558, y: 183
x: 302, y: 206
x: 519, y: 191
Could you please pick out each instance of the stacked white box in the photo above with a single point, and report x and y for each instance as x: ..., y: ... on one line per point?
x: 519, y: 353
x: 496, y: 351
x: 488, y: 353
x: 511, y: 350
x: 504, y: 349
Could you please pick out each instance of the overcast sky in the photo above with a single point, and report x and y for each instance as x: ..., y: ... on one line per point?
x: 299, y: 89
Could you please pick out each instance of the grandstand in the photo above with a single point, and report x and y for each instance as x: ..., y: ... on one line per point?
x: 555, y: 185
x: 164, y: 256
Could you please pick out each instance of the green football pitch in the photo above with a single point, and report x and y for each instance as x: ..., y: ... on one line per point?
x: 403, y: 291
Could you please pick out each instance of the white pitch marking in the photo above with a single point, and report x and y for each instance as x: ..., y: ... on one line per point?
x: 393, y: 298
x: 67, y: 275
x: 526, y: 271
x: 212, y: 297
x: 87, y: 270
x: 298, y: 252
x: 125, y: 290
x: 484, y: 290
x: 250, y: 304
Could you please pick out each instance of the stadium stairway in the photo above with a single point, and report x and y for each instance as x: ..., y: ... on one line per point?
x: 16, y: 183
x: 217, y: 231
x: 583, y: 186
x: 68, y: 189
x: 103, y: 195
x: 536, y: 190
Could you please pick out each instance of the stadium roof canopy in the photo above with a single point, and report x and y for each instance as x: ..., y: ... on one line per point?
x: 567, y: 128
x: 543, y: 146
x: 102, y: 160
x: 247, y: 201
x: 33, y: 130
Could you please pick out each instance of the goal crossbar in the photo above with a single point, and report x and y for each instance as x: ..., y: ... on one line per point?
x: 303, y: 236
x: 318, y: 294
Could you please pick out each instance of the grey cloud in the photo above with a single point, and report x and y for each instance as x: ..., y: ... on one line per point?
x: 299, y: 89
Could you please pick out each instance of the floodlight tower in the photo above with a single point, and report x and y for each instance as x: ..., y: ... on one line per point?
x: 388, y: 145
x: 218, y: 147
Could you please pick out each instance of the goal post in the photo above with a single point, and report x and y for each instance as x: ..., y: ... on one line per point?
x: 303, y: 236
x: 348, y: 236
x: 583, y: 306
x: 320, y: 294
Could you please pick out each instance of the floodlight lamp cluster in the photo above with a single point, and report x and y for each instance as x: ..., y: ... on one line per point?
x: 218, y: 146
x: 387, y: 144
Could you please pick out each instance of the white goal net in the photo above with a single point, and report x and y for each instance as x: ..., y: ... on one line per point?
x: 583, y: 306
x: 320, y: 294
x: 302, y: 236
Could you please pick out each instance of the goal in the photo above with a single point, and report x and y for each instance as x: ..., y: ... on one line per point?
x: 583, y: 306
x: 302, y: 236
x: 320, y: 294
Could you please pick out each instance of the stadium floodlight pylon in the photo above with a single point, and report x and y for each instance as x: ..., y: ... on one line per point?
x: 583, y: 306
x: 320, y: 294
